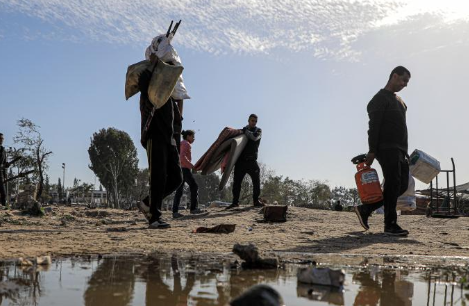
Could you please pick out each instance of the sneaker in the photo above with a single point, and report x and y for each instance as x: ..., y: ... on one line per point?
x: 258, y: 204
x: 232, y: 206
x: 144, y: 209
x: 395, y: 230
x: 197, y: 211
x: 177, y: 215
x: 362, y: 217
x: 158, y: 224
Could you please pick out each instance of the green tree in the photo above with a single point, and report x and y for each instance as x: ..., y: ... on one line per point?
x: 29, y: 137
x: 208, y: 187
x: 114, y: 160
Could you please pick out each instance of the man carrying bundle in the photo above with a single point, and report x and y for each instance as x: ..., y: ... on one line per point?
x: 247, y: 164
x: 160, y: 126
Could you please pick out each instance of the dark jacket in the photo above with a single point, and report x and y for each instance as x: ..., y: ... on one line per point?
x: 387, y: 125
x: 156, y: 124
x: 3, y: 162
x: 252, y: 147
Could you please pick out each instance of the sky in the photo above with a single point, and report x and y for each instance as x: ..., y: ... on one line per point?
x: 306, y: 68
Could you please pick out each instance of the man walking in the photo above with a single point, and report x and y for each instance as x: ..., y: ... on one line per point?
x: 247, y: 164
x: 163, y: 159
x: 387, y: 141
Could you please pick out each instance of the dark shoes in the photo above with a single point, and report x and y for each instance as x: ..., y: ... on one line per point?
x: 362, y: 217
x: 177, y: 215
x: 159, y: 224
x: 198, y: 211
x: 232, y: 206
x: 395, y: 230
x: 258, y: 204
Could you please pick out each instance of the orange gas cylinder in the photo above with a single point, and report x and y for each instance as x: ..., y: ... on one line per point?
x: 369, y: 188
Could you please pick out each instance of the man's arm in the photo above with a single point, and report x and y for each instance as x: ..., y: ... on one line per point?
x: 376, y: 109
x: 254, y: 136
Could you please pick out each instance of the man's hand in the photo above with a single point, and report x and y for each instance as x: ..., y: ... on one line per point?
x: 370, y: 157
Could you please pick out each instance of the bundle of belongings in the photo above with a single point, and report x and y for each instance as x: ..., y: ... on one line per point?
x: 223, y: 154
x: 167, y: 70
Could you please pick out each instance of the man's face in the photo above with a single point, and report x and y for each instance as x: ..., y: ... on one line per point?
x: 400, y: 81
x: 252, y: 122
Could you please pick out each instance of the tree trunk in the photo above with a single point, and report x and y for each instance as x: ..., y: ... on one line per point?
x: 41, y: 177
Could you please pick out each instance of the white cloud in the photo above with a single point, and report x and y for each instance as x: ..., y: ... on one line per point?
x: 326, y: 28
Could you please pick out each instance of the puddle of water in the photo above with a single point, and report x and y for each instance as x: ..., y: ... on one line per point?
x: 165, y: 280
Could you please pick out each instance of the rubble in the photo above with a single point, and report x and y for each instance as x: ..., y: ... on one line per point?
x: 218, y: 229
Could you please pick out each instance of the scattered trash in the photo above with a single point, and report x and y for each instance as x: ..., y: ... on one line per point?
x: 262, y: 295
x: 321, y: 276
x: 218, y: 229
x: 43, y: 260
x: 275, y: 213
x: 47, y: 210
x: 23, y: 262
x: 97, y: 213
x: 34, y: 209
x: 116, y: 229
x: 250, y: 254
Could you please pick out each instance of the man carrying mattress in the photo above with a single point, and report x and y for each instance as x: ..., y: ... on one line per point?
x: 247, y: 164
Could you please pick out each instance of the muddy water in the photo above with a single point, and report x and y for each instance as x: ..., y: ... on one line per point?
x: 171, y: 280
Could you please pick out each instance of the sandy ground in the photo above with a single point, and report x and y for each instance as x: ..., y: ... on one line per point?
x: 69, y: 231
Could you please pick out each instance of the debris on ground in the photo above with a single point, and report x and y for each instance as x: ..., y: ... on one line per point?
x: 275, y: 213
x: 97, y: 213
x: 34, y: 209
x: 250, y: 254
x: 116, y: 229
x: 218, y: 229
x: 262, y: 295
x: 321, y: 276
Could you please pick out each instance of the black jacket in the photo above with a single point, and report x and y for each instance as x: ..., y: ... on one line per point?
x: 387, y: 125
x: 3, y: 161
x: 252, y: 147
x: 159, y: 124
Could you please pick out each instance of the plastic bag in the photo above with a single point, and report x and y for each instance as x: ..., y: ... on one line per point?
x: 408, y: 201
x: 162, y: 48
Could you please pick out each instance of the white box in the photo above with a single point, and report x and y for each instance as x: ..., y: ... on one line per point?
x: 423, y: 166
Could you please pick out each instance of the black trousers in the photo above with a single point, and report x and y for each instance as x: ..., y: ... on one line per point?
x: 194, y: 188
x: 3, y: 194
x: 241, y: 169
x: 165, y: 174
x: 396, y: 180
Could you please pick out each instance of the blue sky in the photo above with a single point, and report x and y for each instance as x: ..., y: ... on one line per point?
x: 308, y: 69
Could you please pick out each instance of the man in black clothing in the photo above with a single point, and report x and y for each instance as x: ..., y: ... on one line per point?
x: 247, y: 164
x: 3, y: 166
x: 387, y: 140
x: 163, y: 158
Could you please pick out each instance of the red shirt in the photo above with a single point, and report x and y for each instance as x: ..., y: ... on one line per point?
x: 185, y: 156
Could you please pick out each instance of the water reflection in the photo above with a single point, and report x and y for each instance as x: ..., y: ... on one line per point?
x: 163, y: 280
x: 387, y: 287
